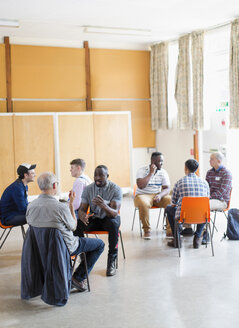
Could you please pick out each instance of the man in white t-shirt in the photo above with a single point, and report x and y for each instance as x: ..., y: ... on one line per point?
x: 153, y: 187
x: 81, y: 181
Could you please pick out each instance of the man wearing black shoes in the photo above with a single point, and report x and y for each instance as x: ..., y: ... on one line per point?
x: 103, y: 197
x: 189, y: 186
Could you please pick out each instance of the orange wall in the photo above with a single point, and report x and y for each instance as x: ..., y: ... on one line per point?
x: 59, y: 73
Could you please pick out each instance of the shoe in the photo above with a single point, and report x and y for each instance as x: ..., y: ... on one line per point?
x: 111, y: 267
x: 196, y: 242
x: 147, y: 235
x: 187, y: 232
x: 79, y: 285
x: 173, y: 243
x: 205, y: 238
x: 169, y: 233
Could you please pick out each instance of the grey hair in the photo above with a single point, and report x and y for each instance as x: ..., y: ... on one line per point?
x: 219, y: 156
x: 46, y: 180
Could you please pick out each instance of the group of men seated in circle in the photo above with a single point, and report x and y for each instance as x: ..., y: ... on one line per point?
x: 95, y: 205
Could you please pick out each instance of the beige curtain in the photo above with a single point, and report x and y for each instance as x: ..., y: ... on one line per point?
x: 234, y: 75
x: 197, y: 39
x: 182, y: 88
x: 159, y: 86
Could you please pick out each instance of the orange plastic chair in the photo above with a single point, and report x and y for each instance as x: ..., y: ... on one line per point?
x: 7, y: 230
x: 221, y: 211
x: 104, y: 232
x: 153, y: 207
x: 195, y: 210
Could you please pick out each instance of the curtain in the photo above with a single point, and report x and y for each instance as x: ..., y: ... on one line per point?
x: 159, y: 86
x: 182, y: 89
x: 197, y: 39
x: 234, y: 75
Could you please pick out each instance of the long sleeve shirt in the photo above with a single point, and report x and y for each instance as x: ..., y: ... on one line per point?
x: 220, y: 183
x: 14, y: 200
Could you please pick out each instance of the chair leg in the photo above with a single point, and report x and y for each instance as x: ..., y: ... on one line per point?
x: 5, y: 236
x: 164, y: 224
x: 23, y: 232
x: 135, y: 209
x: 159, y: 218
x: 122, y: 245
x: 86, y: 270
x: 140, y: 227
x: 211, y: 237
x: 214, y: 223
x: 178, y: 235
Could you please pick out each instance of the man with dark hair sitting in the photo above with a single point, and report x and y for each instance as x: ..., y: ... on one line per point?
x: 189, y: 186
x: 153, y: 187
x: 103, y: 197
x: 14, y: 198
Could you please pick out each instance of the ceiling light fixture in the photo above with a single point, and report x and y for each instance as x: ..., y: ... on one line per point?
x: 117, y: 30
x: 9, y: 23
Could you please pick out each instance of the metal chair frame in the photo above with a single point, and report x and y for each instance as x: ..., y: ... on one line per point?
x: 6, y: 232
x: 73, y: 259
x: 104, y: 232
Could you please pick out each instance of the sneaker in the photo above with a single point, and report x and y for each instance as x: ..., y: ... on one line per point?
x: 187, y: 232
x: 196, y: 242
x: 169, y: 233
x: 147, y: 235
x: 79, y: 285
x: 205, y: 238
x: 173, y: 243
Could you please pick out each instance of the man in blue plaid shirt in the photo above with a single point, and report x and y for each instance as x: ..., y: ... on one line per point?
x: 189, y: 186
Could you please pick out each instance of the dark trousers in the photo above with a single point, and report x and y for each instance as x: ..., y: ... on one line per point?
x: 93, y: 248
x: 16, y: 220
x: 110, y: 224
x: 170, y: 211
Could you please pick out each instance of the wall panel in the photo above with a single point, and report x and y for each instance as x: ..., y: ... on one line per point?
x: 76, y: 140
x: 3, y: 91
x: 7, y: 165
x: 3, y: 106
x: 143, y: 136
x: 112, y: 146
x: 47, y: 72
x: 34, y: 144
x: 49, y: 106
x: 119, y: 73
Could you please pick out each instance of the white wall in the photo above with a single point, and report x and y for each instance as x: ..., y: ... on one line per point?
x: 176, y: 147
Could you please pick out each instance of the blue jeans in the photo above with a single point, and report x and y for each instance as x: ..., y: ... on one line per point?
x: 16, y: 220
x: 92, y: 247
x: 170, y: 211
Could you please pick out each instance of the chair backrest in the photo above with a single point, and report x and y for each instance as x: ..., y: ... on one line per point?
x: 46, y: 266
x: 195, y: 210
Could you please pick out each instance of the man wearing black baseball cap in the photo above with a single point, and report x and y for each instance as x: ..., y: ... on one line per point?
x: 14, y: 198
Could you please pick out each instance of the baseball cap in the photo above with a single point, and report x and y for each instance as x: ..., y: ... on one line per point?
x: 24, y: 168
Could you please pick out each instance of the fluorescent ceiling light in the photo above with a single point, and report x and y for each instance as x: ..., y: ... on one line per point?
x: 116, y: 30
x: 9, y: 23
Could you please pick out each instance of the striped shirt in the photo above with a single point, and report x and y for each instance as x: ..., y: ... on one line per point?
x: 220, y: 183
x: 189, y: 186
x: 154, y: 186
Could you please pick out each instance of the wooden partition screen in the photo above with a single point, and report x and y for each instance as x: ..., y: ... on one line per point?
x: 34, y: 144
x: 52, y: 140
x: 76, y: 140
x: 7, y: 164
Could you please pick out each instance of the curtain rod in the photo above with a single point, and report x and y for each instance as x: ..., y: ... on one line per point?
x: 215, y: 27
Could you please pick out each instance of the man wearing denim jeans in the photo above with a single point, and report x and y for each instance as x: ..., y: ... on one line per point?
x: 47, y: 212
x: 189, y: 186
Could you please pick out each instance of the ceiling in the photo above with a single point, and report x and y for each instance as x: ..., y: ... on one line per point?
x: 61, y: 22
